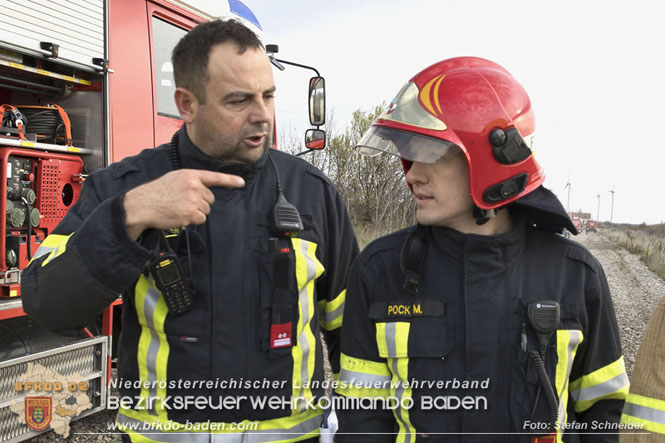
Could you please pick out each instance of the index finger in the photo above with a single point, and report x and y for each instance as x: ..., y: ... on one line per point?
x: 212, y: 178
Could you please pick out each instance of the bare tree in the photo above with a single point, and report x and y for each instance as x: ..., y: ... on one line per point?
x: 373, y: 187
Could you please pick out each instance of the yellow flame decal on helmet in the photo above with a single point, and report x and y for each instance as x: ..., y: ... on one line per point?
x: 425, y: 96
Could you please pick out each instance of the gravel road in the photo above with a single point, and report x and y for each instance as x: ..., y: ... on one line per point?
x: 635, y: 290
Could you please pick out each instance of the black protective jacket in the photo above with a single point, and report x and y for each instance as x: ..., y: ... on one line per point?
x: 459, y: 349
x: 260, y: 301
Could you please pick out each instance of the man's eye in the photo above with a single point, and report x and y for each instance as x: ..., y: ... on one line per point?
x: 239, y: 101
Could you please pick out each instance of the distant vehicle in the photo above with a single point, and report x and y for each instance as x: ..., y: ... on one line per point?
x: 592, y: 225
x: 578, y: 224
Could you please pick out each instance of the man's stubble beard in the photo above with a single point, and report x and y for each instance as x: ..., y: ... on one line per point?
x: 234, y: 154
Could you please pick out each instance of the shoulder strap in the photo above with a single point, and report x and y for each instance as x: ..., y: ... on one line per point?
x: 412, y: 259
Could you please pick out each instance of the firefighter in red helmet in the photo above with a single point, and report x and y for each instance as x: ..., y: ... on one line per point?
x: 479, y: 320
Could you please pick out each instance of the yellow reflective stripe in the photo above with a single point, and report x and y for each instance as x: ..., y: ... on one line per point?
x: 599, y: 376
x: 650, y: 402
x: 358, y: 391
x: 308, y: 269
x: 383, y: 336
x: 144, y: 340
x: 153, y: 348
x: 363, y: 378
x: 162, y: 356
x: 54, y: 245
x: 381, y: 339
x: 146, y: 428
x: 365, y: 366
x: 609, y: 382
x: 332, y: 312
x: 644, y: 412
x: 395, y: 342
x: 567, y: 342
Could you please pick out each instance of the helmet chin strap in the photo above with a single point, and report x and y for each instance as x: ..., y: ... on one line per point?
x: 483, y: 215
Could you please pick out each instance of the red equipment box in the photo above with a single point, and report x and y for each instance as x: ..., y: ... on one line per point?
x: 36, y: 189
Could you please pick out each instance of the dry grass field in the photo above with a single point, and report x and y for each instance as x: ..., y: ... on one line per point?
x: 646, y: 241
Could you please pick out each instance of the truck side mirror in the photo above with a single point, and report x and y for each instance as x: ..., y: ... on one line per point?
x: 317, y: 101
x: 315, y: 139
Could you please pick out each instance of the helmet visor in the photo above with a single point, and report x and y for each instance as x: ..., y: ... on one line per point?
x: 407, y: 145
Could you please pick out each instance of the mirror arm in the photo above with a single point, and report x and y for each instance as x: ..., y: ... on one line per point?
x: 276, y: 63
x: 295, y: 64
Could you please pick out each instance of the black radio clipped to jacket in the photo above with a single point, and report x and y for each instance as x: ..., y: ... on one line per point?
x: 175, y: 289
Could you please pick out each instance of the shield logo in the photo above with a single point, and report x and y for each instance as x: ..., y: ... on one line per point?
x: 38, y: 412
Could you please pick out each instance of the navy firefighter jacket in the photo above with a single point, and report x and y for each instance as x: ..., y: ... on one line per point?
x: 455, y: 358
x: 260, y: 300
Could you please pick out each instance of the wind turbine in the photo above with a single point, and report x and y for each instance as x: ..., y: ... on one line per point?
x: 568, y: 185
x: 612, y: 210
x: 598, y: 210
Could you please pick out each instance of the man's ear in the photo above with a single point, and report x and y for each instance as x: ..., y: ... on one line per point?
x: 187, y: 104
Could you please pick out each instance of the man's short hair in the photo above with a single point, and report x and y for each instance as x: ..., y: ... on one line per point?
x: 190, y: 56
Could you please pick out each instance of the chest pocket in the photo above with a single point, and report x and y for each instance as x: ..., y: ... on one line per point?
x: 417, y: 329
x: 559, y: 357
x: 287, y: 300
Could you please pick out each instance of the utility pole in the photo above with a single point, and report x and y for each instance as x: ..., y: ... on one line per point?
x: 612, y: 210
x: 598, y: 210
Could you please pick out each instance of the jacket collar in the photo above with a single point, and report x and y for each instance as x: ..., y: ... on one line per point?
x: 192, y: 157
x: 543, y: 209
x: 462, y: 247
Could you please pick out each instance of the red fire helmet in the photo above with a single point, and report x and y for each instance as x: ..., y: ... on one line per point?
x: 465, y: 103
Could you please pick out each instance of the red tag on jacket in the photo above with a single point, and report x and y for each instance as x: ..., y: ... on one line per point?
x: 280, y: 335
x: 545, y: 439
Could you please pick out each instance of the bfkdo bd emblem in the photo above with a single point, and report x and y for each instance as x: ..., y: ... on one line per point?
x: 38, y: 412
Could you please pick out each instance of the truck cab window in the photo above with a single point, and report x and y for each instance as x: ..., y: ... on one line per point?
x: 164, y: 36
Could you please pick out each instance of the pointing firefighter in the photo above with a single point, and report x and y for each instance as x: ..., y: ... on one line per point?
x: 199, y: 237
x: 515, y: 337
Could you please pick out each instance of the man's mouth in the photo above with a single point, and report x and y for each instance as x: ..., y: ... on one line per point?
x: 255, y: 140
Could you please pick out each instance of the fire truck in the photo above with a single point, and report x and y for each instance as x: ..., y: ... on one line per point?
x: 591, y: 226
x: 83, y: 83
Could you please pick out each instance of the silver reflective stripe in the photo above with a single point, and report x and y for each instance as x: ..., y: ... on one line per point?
x: 228, y: 438
x: 644, y: 413
x: 265, y: 436
x: 331, y: 316
x: 599, y: 391
x: 303, y: 298
x: 391, y: 345
x: 575, y: 339
x: 365, y: 380
x: 149, y: 306
x: 274, y: 435
x: 43, y: 250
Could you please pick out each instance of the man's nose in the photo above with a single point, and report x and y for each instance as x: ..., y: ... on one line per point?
x: 262, y: 112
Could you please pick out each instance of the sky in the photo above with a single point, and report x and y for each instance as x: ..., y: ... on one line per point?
x: 594, y: 70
